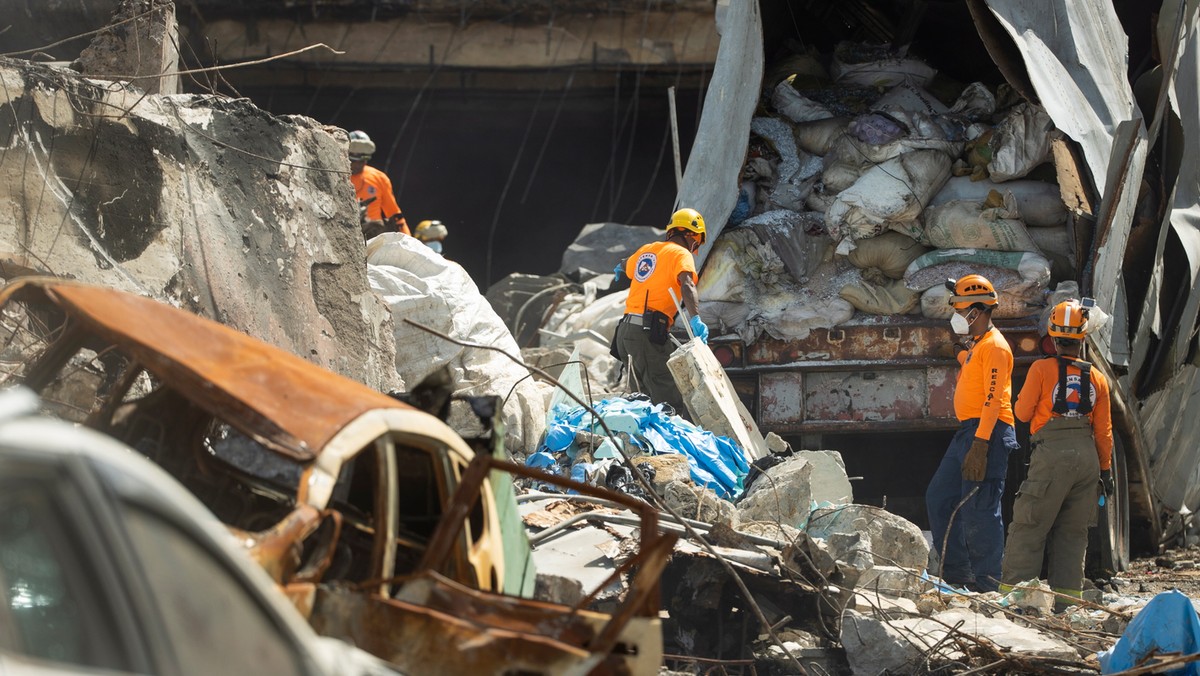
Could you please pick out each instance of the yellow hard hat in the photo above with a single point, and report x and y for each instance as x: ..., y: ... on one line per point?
x: 971, y: 289
x: 427, y: 231
x: 691, y: 220
x: 1068, y: 319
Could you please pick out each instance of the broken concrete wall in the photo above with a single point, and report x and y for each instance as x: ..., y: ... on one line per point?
x: 208, y: 203
x: 140, y: 45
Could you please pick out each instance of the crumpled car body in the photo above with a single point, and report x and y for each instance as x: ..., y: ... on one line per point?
x: 376, y: 519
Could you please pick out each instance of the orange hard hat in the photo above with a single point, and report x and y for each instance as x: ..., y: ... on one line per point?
x: 1068, y: 319
x: 971, y: 289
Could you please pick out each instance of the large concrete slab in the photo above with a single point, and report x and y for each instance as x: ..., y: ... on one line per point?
x: 711, y: 399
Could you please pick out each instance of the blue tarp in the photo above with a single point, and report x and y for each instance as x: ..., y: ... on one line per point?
x: 1168, y: 624
x: 717, y: 463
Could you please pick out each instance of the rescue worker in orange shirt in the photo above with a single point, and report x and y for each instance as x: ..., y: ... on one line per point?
x: 369, y: 183
x: 973, y: 469
x: 1066, y: 403
x: 656, y: 270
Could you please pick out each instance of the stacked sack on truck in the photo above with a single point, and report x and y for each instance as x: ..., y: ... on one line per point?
x: 904, y: 190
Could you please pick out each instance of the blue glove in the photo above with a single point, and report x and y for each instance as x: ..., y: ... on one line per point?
x: 699, y: 328
x: 618, y: 272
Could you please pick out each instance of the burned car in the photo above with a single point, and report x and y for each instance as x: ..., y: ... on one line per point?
x: 380, y: 523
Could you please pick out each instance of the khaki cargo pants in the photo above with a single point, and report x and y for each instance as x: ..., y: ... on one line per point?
x: 1054, y: 507
x: 649, y: 363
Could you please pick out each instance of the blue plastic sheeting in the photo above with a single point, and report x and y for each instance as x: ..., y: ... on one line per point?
x: 1168, y: 624
x: 716, y: 463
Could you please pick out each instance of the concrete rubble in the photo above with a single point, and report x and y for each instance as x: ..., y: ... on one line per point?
x: 845, y: 584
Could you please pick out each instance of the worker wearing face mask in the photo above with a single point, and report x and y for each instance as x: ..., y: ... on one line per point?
x: 963, y: 498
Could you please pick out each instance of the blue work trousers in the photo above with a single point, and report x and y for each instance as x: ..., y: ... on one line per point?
x: 975, y: 547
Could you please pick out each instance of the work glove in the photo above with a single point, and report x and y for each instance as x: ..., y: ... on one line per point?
x: 699, y: 328
x: 618, y: 272
x: 1107, y: 481
x: 974, y: 466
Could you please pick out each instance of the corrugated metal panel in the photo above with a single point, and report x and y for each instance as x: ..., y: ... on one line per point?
x: 710, y: 182
x: 1169, y: 416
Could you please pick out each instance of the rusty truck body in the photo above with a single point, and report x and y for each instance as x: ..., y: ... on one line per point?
x: 382, y: 525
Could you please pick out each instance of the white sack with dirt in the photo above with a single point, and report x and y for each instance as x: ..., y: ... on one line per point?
x: 969, y: 224
x: 894, y: 192
x: 422, y: 286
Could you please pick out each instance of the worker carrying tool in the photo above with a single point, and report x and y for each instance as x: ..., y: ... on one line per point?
x: 656, y: 271
x: 963, y: 497
x: 383, y: 214
x: 1065, y: 400
x: 431, y: 233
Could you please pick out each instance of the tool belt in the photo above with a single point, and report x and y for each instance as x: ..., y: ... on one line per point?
x: 655, y: 323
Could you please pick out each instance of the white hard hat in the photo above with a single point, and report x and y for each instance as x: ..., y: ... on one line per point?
x: 361, y: 145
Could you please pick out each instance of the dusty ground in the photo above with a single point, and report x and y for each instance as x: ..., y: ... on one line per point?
x: 1175, y: 569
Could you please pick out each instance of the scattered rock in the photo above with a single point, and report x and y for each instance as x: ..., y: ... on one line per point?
x: 893, y: 581
x: 782, y: 495
x: 558, y: 589
x: 894, y: 540
x: 668, y: 468
x: 694, y: 502
x: 874, y: 646
x: 776, y: 444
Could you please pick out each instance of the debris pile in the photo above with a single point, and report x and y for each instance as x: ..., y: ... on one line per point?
x: 844, y: 585
x: 577, y: 445
x: 871, y: 183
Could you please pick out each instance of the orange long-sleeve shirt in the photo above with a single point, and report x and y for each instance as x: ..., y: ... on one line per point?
x: 1035, y: 403
x: 984, y: 388
x: 372, y: 182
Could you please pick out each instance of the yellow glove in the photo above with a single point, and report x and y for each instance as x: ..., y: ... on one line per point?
x: 974, y: 466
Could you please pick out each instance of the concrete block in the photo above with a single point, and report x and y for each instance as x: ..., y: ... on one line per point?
x: 694, y: 502
x: 711, y: 399
x: 1007, y: 635
x: 875, y: 647
x: 829, y: 480
x: 775, y: 443
x: 782, y: 495
x: 882, y: 606
x: 895, y: 540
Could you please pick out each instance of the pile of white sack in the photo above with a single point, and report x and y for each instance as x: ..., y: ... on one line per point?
x: 864, y: 192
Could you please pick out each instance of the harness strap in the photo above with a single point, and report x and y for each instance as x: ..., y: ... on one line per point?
x: 1061, y: 407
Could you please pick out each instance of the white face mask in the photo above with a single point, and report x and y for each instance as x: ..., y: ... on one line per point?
x: 960, y: 324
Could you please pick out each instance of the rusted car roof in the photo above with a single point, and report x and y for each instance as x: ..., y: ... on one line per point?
x: 284, y: 402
